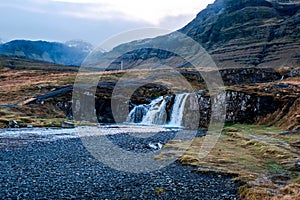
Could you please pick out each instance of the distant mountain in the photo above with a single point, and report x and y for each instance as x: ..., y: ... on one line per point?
x: 80, y: 45
x: 70, y: 53
x: 236, y: 33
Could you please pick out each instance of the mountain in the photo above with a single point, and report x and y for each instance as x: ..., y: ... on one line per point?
x: 80, y: 45
x: 70, y: 53
x: 235, y: 33
x: 249, y: 32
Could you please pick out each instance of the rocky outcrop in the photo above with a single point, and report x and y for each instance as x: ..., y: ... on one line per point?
x: 274, y: 104
x: 237, y: 76
x: 146, y: 93
x: 246, y: 107
x: 241, y: 107
x: 265, y: 105
x: 143, y: 95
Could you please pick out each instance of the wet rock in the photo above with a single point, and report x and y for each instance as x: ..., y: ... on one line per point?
x: 155, y: 146
x: 66, y: 124
x: 13, y: 124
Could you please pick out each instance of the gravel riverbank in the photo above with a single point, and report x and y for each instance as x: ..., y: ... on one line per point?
x: 64, y: 169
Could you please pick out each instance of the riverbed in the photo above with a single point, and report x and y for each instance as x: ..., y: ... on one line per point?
x: 53, y: 163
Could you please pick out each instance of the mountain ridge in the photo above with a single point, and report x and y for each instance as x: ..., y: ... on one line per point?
x: 235, y: 33
x: 245, y: 32
x: 71, y: 53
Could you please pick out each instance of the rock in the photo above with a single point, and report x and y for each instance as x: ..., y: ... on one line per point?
x: 155, y: 146
x: 297, y: 164
x: 290, y: 132
x: 66, y: 124
x: 282, y: 85
x: 294, y: 73
x: 13, y: 124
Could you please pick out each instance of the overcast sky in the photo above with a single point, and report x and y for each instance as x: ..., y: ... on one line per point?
x: 91, y: 20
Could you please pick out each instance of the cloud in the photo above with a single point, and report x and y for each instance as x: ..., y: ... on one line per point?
x: 153, y: 12
x: 91, y: 20
x: 16, y: 4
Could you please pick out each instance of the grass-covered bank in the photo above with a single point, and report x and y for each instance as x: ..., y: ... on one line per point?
x: 262, y: 157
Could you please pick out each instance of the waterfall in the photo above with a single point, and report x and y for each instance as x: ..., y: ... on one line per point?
x: 178, y: 109
x: 137, y: 113
x: 146, y: 113
x: 156, y: 113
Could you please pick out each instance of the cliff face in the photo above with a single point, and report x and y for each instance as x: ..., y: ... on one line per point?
x: 249, y: 32
x: 241, y: 107
x: 274, y: 103
x: 270, y: 104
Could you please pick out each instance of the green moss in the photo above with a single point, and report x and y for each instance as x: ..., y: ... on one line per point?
x: 297, y: 180
x: 276, y: 168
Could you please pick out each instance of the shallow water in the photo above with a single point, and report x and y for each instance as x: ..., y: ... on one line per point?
x: 20, y: 137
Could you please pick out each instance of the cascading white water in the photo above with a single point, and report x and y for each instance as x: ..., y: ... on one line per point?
x: 137, y: 113
x: 143, y: 113
x: 155, y: 112
x: 178, y: 110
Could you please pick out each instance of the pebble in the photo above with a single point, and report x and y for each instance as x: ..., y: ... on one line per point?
x: 64, y: 169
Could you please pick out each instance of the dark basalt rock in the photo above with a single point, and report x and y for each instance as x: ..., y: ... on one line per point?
x: 241, y: 106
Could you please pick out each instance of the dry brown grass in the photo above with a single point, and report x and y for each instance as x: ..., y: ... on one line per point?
x: 16, y: 85
x: 259, y: 159
x: 287, y: 118
x: 289, y: 192
x: 35, y: 115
